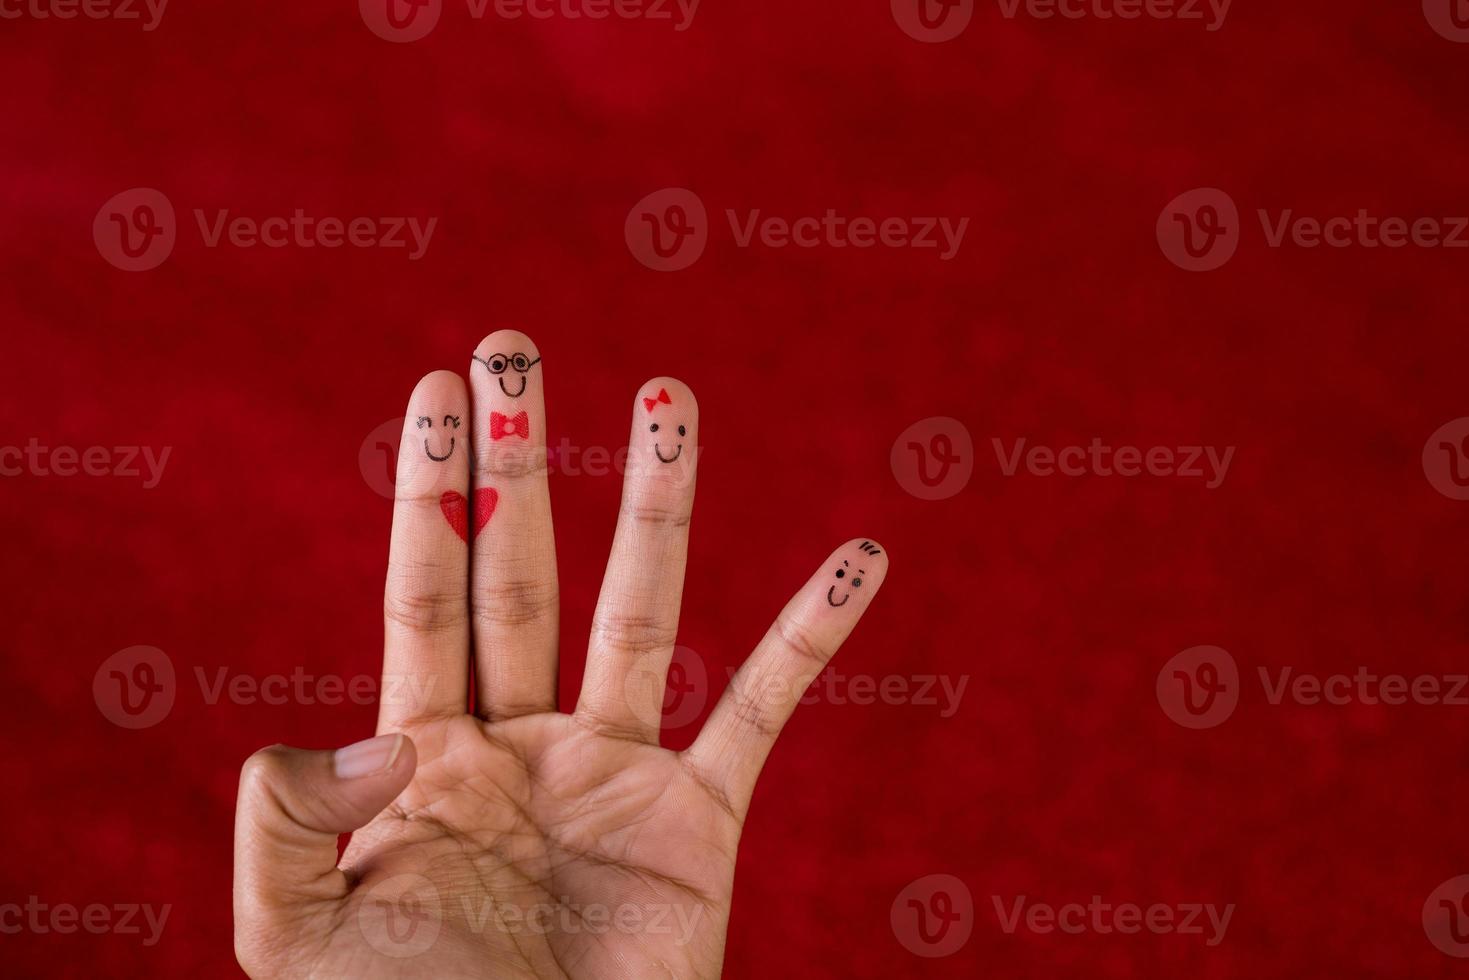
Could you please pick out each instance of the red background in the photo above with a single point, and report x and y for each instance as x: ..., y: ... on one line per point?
x: 1060, y: 320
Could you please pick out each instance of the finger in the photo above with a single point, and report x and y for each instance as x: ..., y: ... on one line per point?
x: 731, y: 749
x: 426, y: 605
x: 515, y: 597
x: 292, y: 805
x: 636, y: 620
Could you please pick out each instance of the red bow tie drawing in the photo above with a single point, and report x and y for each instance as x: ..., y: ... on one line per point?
x: 509, y: 425
x: 652, y: 403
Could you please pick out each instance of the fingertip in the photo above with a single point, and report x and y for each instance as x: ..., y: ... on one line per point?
x: 857, y: 567
x: 505, y: 370
x: 665, y: 434
x: 377, y: 757
x: 437, y: 385
x: 506, y: 341
x: 656, y: 393
x: 430, y: 456
x: 406, y: 760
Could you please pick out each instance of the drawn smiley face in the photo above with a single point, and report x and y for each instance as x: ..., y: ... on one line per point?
x: 657, y: 427
x: 451, y: 422
x: 499, y: 364
x: 666, y: 429
x: 846, y: 579
x: 850, y: 578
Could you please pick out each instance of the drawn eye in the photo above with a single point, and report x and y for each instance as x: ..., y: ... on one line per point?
x: 681, y: 430
x: 856, y: 583
x: 497, y: 364
x: 653, y: 427
x: 521, y: 362
x: 841, y: 574
x: 450, y: 420
x: 424, y: 418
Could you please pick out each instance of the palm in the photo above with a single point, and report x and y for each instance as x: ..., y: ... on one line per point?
x: 540, y: 815
x: 515, y: 840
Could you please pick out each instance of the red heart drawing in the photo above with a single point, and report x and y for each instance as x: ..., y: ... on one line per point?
x: 456, y: 510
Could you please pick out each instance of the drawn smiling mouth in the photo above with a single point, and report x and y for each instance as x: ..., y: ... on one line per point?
x: 676, y: 453
x: 513, y: 394
x: 439, y: 459
x: 832, y: 591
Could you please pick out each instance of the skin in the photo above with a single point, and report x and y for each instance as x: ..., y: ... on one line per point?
x: 516, y: 840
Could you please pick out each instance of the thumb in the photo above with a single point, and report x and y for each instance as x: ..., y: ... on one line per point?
x: 292, y: 806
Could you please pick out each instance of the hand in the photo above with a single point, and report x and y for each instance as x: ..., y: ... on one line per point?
x: 513, y: 840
